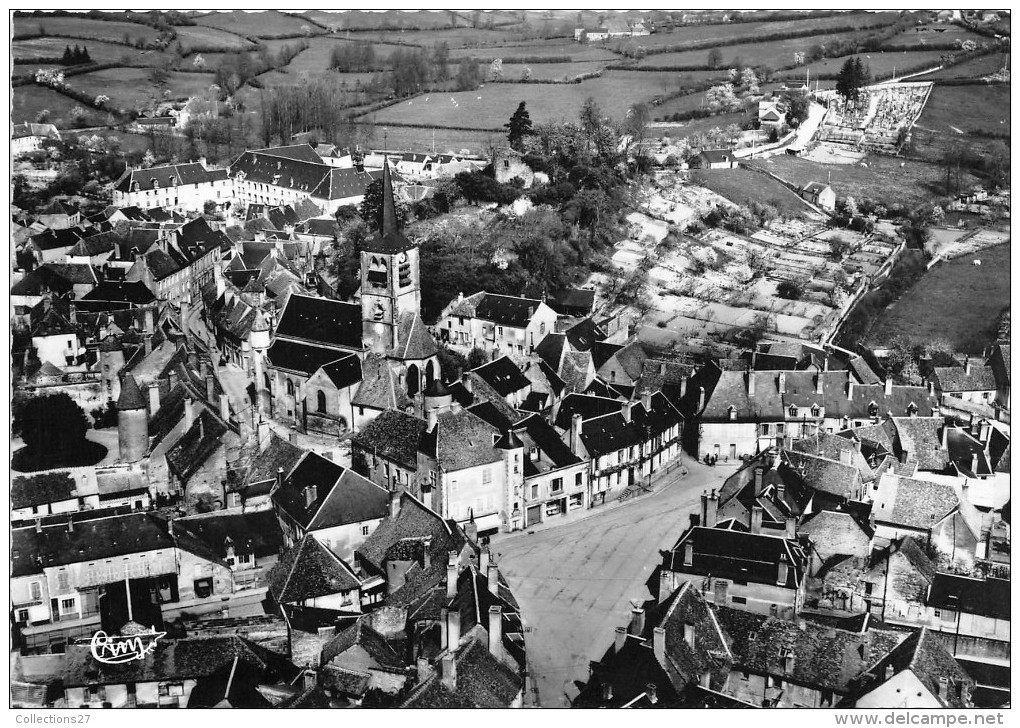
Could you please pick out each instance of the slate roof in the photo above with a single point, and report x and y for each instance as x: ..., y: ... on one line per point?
x: 573, y: 302
x: 717, y: 156
x: 956, y: 379
x: 394, y: 436
x: 390, y: 238
x: 53, y: 239
x: 503, y: 375
x: 343, y: 372
x: 985, y: 597
x: 629, y: 359
x: 837, y: 532
x: 414, y: 520
x: 91, y: 540
x: 923, y: 654
x: 506, y: 310
x: 913, y: 503
x: 733, y: 555
x: 35, y: 490
x: 80, y: 273
x: 378, y: 388
x: 414, y: 340
x: 343, y: 496
x: 463, y: 440
x: 299, y: 168
x: 133, y: 292
x: 309, y: 570
x: 321, y: 320
x: 823, y: 658
x: 962, y: 447
x: 250, y: 532
x: 169, y: 175
x: 130, y: 395
x: 161, y: 264
x: 829, y: 476
x: 299, y: 357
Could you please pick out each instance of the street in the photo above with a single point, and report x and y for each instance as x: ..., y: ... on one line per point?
x: 575, y: 583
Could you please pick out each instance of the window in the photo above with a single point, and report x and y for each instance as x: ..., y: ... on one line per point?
x: 23, y: 616
x: 364, y: 530
x: 499, y: 330
x: 506, y: 164
x: 534, y: 492
x: 36, y: 589
x: 290, y: 388
x: 320, y: 401
x: 486, y: 476
x: 557, y: 485
x: 765, y: 429
x: 738, y: 600
x: 815, y: 411
x: 541, y: 330
x: 793, y: 411
x: 578, y: 480
x: 203, y: 588
x: 780, y: 428
x: 63, y: 583
x: 67, y: 605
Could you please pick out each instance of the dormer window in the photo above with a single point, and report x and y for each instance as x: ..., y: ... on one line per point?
x: 135, y: 187
x: 732, y: 412
x: 911, y: 409
x: 173, y: 180
x: 155, y: 183
x: 815, y: 411
x: 872, y: 410
x: 793, y: 411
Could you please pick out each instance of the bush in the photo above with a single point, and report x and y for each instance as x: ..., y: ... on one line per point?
x: 789, y: 290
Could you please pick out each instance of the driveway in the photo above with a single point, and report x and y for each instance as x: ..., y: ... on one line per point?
x: 575, y: 583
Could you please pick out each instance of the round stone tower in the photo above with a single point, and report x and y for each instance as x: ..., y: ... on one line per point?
x: 132, y: 422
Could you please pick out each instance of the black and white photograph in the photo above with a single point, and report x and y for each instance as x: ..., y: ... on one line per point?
x: 511, y: 358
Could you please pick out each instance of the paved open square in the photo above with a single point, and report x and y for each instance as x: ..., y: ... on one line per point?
x: 575, y: 582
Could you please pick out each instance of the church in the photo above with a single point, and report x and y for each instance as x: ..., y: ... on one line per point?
x: 332, y: 365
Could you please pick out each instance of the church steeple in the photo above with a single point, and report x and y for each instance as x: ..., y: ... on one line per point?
x: 389, y: 238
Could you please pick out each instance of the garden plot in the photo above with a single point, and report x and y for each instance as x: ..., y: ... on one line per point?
x: 644, y: 227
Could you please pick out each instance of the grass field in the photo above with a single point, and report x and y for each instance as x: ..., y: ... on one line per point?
x: 28, y: 101
x: 743, y: 186
x: 198, y: 36
x: 955, y: 300
x: 690, y: 102
x: 361, y: 20
x: 883, y: 180
x: 701, y: 125
x: 75, y: 27
x: 881, y: 64
x: 99, y: 51
x: 489, y: 107
x: 454, y: 37
x: 258, y: 24
x: 130, y: 87
x: 551, y: 71
x: 975, y: 68
x: 967, y: 108
x: 575, y: 51
x: 773, y: 53
x: 931, y: 34
x: 446, y: 140
x: 725, y: 33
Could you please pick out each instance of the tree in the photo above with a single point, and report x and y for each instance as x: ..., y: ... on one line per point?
x: 451, y: 364
x: 496, y: 70
x: 468, y: 75
x: 53, y: 425
x: 519, y: 127
x: 476, y: 358
x: 591, y: 119
x: 526, y: 74
x: 715, y: 58
x: 638, y: 117
x: 839, y: 247
x: 790, y: 290
x: 798, y: 58
x: 199, y: 62
x: 749, y: 81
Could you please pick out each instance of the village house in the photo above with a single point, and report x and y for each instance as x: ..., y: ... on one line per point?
x: 820, y: 195
x: 509, y: 166
x: 52, y: 245
x: 29, y: 137
x: 971, y: 382
x: 754, y: 572
x: 176, y: 268
x: 330, y: 502
x: 250, y: 542
x: 309, y: 576
x: 624, y: 442
x: 771, y: 114
x: 285, y: 175
x: 498, y: 325
x: 387, y: 449
x: 181, y: 188
x: 717, y: 159
x: 60, y: 215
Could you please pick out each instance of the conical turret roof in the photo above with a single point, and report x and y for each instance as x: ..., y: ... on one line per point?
x: 130, y: 395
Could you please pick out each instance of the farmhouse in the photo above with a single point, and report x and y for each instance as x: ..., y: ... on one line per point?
x: 27, y: 137
x: 717, y: 159
x: 820, y: 195
x: 497, y: 324
x: 178, y: 187
x: 771, y: 114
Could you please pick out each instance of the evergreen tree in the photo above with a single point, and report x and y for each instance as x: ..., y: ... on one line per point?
x: 85, y: 58
x: 519, y: 127
x: 862, y: 73
x: 67, y: 59
x: 76, y: 54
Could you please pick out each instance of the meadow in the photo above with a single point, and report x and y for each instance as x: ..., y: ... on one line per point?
x: 935, y: 33
x: 131, y: 88
x: 744, y: 186
x: 258, y: 24
x: 52, y: 46
x: 198, y: 36
x: 882, y: 65
x: 773, y: 53
x: 973, y: 295
x: 362, y: 20
x: 974, y: 68
x: 575, y: 51
x: 82, y: 27
x: 28, y: 101
x: 490, y: 106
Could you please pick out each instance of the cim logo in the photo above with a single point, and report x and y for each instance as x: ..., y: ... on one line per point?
x: 118, y: 649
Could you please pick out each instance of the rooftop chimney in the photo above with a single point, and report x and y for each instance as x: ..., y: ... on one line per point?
x: 846, y: 456
x: 652, y: 693
x: 483, y: 560
x: 688, y: 552
x: 659, y: 644
x: 888, y: 386
x: 818, y: 383
x: 210, y: 387
x: 784, y: 570
x: 701, y: 398
x: 713, y: 510
x: 759, y: 474
x: 449, y: 673
x: 453, y: 629
x: 224, y: 408
x: 750, y: 384
x: 621, y: 638
x: 943, y: 688
x: 308, y: 679
x: 496, y: 631
x: 791, y: 527
x: 782, y: 382
x: 279, y: 477
x: 493, y: 576
x: 451, y: 576
x: 189, y: 413
x: 626, y: 411
x: 173, y: 379
x: 70, y: 523
x: 422, y: 666
x: 974, y: 463
x: 433, y: 419
x: 311, y: 495
x: 945, y: 436
x: 756, y: 516
x: 637, y: 621
x: 984, y: 432
x: 38, y: 525
x: 153, y: 398
x: 966, y: 366
x: 850, y: 389
x: 683, y: 387
x: 576, y: 422
x: 394, y: 504
x: 646, y: 401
